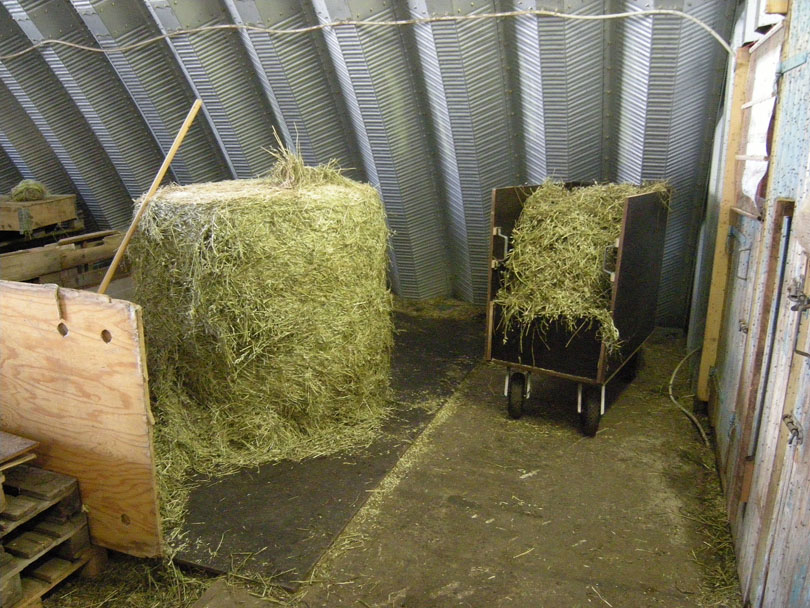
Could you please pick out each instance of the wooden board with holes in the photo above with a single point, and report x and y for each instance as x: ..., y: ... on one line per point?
x: 27, y: 216
x: 73, y: 377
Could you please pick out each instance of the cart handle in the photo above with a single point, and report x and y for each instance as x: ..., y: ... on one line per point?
x: 606, y: 257
x: 496, y: 231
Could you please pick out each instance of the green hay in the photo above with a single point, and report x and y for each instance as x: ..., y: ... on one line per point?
x: 268, y: 321
x: 554, y: 271
x: 29, y: 190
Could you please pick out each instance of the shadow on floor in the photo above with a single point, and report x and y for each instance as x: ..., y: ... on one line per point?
x: 276, y: 520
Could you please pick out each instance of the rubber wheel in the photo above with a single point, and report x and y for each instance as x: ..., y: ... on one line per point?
x: 517, y: 390
x: 591, y: 410
x: 629, y: 370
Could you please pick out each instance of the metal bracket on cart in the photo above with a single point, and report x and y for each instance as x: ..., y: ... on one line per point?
x: 497, y: 233
x: 602, y: 399
x: 609, y: 260
x: 527, y: 391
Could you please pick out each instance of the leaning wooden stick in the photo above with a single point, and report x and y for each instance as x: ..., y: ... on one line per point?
x: 181, y: 134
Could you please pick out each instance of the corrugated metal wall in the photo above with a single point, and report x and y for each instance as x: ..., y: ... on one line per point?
x: 434, y: 115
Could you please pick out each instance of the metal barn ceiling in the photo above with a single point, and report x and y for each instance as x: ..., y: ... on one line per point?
x: 434, y: 115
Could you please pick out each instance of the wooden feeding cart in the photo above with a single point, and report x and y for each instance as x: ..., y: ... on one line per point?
x: 634, y: 267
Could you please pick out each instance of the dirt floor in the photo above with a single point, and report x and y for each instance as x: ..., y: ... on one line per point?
x: 488, y: 511
x: 483, y: 510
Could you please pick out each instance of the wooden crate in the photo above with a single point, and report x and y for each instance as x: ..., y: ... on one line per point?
x: 26, y: 216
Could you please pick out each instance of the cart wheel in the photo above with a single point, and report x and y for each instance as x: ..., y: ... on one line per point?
x: 517, y: 391
x: 591, y: 410
x: 629, y: 370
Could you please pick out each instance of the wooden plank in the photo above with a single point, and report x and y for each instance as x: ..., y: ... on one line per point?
x: 32, y: 263
x: 39, y: 483
x: 17, y: 461
x: 73, y: 377
x: 752, y: 373
x: 26, y: 216
x: 756, y: 534
x: 34, y: 588
x: 776, y: 7
x: 717, y: 292
x: 21, y: 509
x: 12, y: 446
x: 35, y: 547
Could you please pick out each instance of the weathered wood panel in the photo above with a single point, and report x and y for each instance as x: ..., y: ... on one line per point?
x: 26, y: 216
x: 31, y: 263
x: 73, y: 377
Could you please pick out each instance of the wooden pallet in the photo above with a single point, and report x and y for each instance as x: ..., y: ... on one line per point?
x: 13, y: 241
x: 75, y: 262
x: 44, y: 535
x: 26, y: 216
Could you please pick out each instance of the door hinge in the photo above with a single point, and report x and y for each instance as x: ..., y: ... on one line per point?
x: 795, y: 429
x: 795, y: 294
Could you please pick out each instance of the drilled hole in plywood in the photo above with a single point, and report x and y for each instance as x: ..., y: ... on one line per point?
x: 62, y: 329
x: 106, y: 336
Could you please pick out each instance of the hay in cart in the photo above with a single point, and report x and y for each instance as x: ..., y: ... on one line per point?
x: 267, y: 317
x: 554, y: 271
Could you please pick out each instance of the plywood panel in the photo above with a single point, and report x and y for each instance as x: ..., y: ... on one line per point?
x: 73, y: 377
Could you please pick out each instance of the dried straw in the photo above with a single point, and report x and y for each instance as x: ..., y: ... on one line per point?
x: 268, y: 321
x: 29, y: 190
x: 554, y: 271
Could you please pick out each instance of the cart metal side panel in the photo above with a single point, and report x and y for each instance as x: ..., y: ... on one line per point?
x: 638, y: 272
x: 554, y: 351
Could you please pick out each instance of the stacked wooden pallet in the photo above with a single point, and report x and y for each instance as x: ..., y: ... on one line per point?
x: 76, y: 262
x: 43, y: 530
x: 22, y: 221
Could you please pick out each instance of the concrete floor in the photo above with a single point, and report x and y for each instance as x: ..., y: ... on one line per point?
x: 488, y: 511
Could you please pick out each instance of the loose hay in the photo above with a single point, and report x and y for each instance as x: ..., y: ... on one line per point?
x: 268, y: 321
x: 554, y: 271
x: 29, y: 190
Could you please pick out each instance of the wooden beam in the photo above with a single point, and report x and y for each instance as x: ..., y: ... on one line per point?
x: 32, y: 263
x: 717, y: 291
x: 178, y: 140
x: 776, y: 7
x: 749, y: 388
x: 73, y: 377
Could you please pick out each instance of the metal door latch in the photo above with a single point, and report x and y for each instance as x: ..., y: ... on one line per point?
x: 796, y: 433
x: 796, y: 294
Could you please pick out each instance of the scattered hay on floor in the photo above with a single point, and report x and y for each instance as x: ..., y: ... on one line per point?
x: 268, y: 321
x: 130, y: 582
x: 554, y: 271
x: 438, y: 308
x: 719, y: 585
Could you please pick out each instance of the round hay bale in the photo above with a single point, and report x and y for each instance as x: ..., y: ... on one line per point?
x: 29, y: 190
x: 267, y: 316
